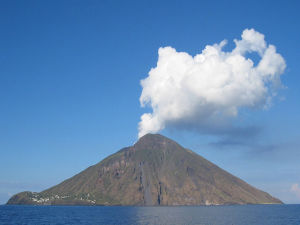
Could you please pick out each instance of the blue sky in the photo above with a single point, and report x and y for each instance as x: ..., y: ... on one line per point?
x: 70, y: 75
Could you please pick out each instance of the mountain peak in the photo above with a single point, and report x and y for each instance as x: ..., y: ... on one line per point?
x: 155, y: 141
x: 153, y: 137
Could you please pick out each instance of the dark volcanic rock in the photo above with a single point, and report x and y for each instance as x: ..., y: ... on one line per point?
x: 154, y: 171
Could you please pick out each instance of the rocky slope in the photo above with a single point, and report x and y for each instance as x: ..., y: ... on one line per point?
x: 154, y: 171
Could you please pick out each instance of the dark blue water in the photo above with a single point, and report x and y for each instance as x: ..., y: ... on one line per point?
x: 200, y: 215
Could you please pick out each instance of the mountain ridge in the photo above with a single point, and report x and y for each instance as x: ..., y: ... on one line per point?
x: 154, y: 171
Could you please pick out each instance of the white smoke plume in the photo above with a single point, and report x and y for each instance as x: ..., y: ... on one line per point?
x: 209, y: 88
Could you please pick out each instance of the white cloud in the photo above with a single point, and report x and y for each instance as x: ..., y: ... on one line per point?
x: 207, y: 90
x: 296, y: 190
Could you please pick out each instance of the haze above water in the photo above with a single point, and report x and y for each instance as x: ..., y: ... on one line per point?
x: 204, y: 215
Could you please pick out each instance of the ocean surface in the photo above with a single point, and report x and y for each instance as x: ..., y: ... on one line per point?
x: 185, y: 215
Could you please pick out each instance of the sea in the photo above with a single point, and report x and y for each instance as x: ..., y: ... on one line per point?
x: 181, y: 215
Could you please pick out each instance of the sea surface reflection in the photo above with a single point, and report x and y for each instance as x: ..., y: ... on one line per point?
x: 189, y: 215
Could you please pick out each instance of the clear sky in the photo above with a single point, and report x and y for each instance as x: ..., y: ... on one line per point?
x: 70, y: 75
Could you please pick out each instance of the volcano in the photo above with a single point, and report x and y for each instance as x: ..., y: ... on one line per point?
x: 154, y: 171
